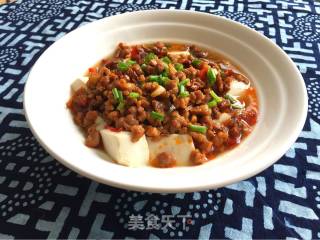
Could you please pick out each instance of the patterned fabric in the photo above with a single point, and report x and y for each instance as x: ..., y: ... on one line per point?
x: 40, y: 198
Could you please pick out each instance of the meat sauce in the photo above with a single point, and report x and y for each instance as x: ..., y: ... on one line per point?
x: 167, y: 88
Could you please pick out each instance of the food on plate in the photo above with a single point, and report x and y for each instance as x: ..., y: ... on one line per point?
x: 164, y: 105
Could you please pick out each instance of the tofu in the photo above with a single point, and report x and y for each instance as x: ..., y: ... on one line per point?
x: 125, y: 152
x: 79, y: 83
x: 237, y: 88
x: 179, y: 145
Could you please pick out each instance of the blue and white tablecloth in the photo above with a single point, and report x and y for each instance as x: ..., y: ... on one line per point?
x: 40, y: 198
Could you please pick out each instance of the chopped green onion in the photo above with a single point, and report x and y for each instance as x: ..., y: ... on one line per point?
x: 130, y: 62
x: 178, y: 66
x: 164, y: 80
x: 121, y: 106
x: 231, y: 98
x: 120, y: 96
x: 182, y: 91
x: 184, y: 94
x: 184, y: 82
x: 238, y: 105
x: 149, y: 57
x: 165, y: 72
x: 154, y: 78
x: 212, y: 76
x: 198, y: 128
x: 157, y: 116
x: 235, y: 103
x: 134, y: 95
x: 166, y: 60
x: 215, y: 96
x: 122, y: 66
x: 143, y: 66
x: 212, y: 103
x: 115, y: 93
x: 182, y: 88
x: 196, y: 62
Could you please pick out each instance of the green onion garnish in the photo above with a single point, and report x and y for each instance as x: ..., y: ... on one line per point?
x: 182, y: 88
x: 184, y: 94
x: 120, y: 106
x: 116, y: 94
x: 215, y: 96
x: 149, y: 57
x: 230, y: 98
x: 124, y: 66
x: 143, y: 66
x: 182, y: 91
x: 184, y: 82
x: 157, y: 116
x: 166, y: 60
x: 164, y: 80
x: 211, y: 74
x: 196, y: 62
x: 237, y: 105
x: 212, y: 103
x: 165, y: 72
x: 134, y: 95
x: 120, y: 96
x: 154, y: 78
x: 178, y: 66
x: 130, y: 62
x: 198, y: 128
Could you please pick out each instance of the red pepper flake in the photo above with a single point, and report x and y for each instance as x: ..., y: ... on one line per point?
x: 134, y: 53
x: 113, y: 129
x: 203, y: 72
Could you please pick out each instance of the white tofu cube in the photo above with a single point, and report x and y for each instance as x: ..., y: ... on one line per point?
x: 179, y: 145
x: 125, y: 152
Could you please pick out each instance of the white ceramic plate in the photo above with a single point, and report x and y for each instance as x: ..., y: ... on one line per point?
x: 281, y: 92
